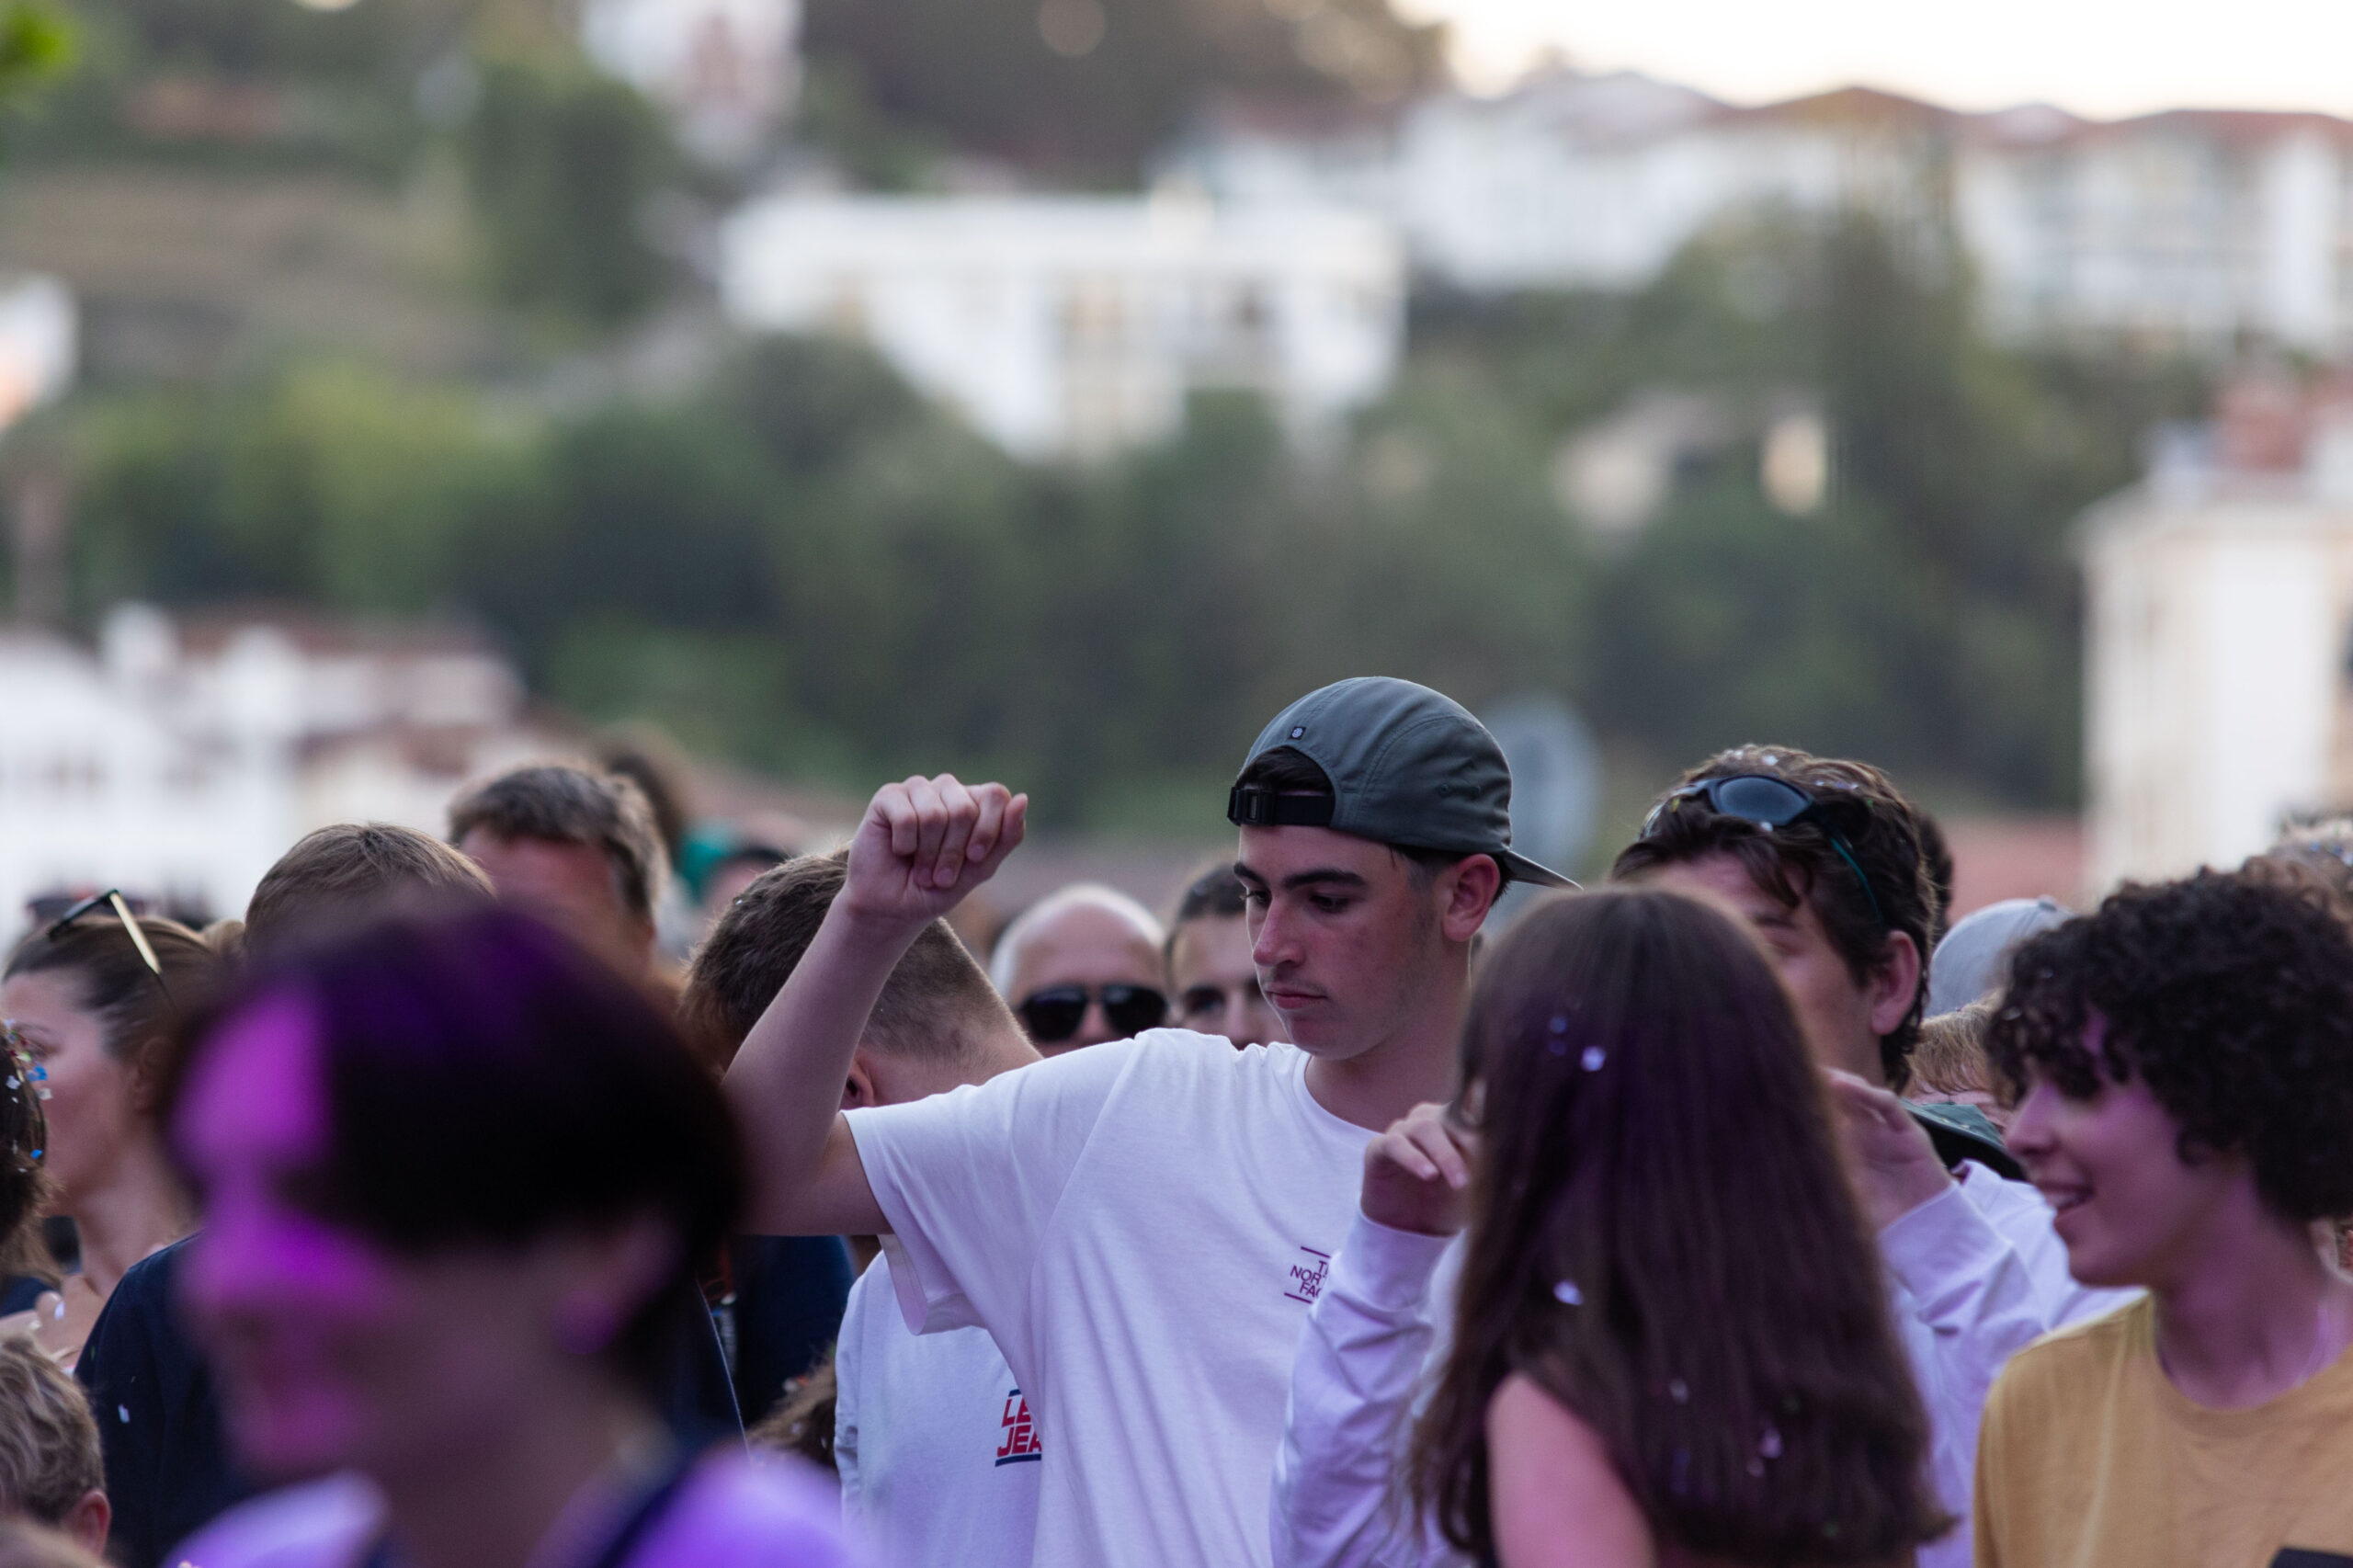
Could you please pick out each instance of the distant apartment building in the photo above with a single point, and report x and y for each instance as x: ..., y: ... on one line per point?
x: 2196, y: 228
x: 1574, y: 180
x: 2219, y: 637
x: 177, y: 760
x: 2193, y: 228
x: 1072, y: 327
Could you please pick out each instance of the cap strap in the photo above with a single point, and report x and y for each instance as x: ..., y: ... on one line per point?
x: 1254, y: 805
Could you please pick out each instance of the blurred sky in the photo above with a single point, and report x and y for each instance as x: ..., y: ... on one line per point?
x: 2100, y: 58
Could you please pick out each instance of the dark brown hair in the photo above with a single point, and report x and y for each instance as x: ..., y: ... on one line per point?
x: 2231, y: 996
x: 1663, y: 1240
x: 1799, y: 864
x: 489, y: 1083
x: 137, y: 1016
x: 571, y: 805
x: 928, y: 1006
x: 24, y: 1185
x: 1214, y: 892
x: 352, y: 872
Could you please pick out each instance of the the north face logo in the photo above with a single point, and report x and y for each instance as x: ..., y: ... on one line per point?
x: 1020, y: 1445
x: 1307, y: 1275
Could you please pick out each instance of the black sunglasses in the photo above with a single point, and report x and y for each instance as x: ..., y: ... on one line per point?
x: 112, y: 898
x: 1771, y: 802
x: 1054, y: 1014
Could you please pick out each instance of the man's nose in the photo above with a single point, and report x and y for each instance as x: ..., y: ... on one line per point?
x: 1269, y: 946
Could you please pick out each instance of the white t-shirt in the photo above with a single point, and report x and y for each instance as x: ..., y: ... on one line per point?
x: 731, y: 1512
x: 937, y: 1451
x: 1142, y: 1227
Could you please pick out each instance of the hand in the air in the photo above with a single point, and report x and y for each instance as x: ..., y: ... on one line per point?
x: 925, y: 842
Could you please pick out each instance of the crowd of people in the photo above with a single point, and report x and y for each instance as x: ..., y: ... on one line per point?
x: 481, y: 1200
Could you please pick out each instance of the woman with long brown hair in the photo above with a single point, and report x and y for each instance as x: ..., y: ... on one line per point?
x: 90, y: 999
x: 1672, y: 1344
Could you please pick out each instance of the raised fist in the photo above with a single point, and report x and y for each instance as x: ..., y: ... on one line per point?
x: 925, y: 842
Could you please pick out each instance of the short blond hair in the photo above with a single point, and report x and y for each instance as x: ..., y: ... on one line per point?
x: 49, y: 1442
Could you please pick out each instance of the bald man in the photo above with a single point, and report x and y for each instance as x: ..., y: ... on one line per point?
x: 1082, y: 966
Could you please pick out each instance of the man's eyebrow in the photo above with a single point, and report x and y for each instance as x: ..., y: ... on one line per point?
x: 1324, y: 876
x: 1321, y: 876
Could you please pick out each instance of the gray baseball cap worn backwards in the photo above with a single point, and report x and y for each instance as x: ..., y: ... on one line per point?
x: 1409, y: 768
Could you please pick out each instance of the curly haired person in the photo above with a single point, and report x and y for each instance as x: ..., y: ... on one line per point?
x: 2184, y: 1063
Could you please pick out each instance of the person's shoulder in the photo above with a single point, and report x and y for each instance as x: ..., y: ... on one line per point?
x: 770, y: 1511
x: 319, y: 1524
x: 147, y: 1285
x: 1210, y: 1054
x: 2065, y: 1361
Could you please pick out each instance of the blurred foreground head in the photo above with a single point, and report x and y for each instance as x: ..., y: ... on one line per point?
x: 448, y: 1168
x: 578, y: 849
x: 50, y: 1469
x: 1658, y: 1207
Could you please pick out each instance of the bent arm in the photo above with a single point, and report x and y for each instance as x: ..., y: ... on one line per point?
x: 921, y: 848
x: 786, y: 1084
x: 1338, y: 1502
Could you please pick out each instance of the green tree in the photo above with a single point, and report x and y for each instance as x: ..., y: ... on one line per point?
x: 561, y: 164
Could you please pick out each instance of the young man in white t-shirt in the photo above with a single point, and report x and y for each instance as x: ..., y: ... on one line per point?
x: 1144, y: 1226
x: 1822, y: 859
x: 937, y: 1457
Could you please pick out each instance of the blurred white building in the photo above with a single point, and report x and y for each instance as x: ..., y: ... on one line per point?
x: 177, y: 762
x: 1575, y: 180
x: 2219, y: 656
x: 1075, y: 325
x: 727, y: 70
x: 2190, y: 228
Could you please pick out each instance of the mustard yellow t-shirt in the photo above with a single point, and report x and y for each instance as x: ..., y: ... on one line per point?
x: 2089, y: 1458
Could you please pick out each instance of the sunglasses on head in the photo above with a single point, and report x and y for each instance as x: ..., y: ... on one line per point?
x: 1769, y: 802
x: 1054, y: 1014
x: 112, y: 898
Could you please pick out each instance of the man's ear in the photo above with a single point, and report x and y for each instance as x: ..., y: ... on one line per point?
x: 860, y: 1089
x: 87, y: 1520
x: 1895, y: 983
x: 1470, y: 887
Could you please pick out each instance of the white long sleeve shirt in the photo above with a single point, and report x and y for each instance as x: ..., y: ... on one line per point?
x: 1974, y: 1274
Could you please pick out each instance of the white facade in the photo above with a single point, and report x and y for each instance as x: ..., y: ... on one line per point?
x: 727, y: 70
x: 2185, y: 228
x: 1529, y: 192
x: 1076, y: 325
x: 1576, y: 181
x: 2219, y: 621
x: 178, y: 767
